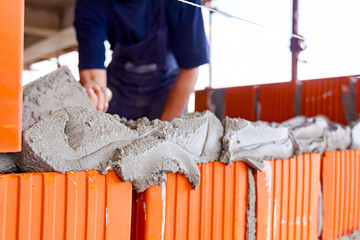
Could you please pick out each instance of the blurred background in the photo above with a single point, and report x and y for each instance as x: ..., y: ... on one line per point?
x: 241, y: 53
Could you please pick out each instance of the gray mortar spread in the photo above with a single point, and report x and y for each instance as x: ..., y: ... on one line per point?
x: 169, y: 147
x: 74, y: 139
x: 318, y: 134
x: 198, y: 133
x: 143, y: 151
x: 7, y: 163
x: 146, y: 161
x: 254, y: 142
x: 338, y: 137
x: 353, y: 236
x: 251, y: 218
x: 42, y: 97
x: 52, y: 92
x: 309, y: 133
x: 320, y: 211
x: 355, y: 135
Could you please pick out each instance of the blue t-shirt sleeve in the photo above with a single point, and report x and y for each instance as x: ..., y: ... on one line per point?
x: 187, y: 38
x: 91, y: 27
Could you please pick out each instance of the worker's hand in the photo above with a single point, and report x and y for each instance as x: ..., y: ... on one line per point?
x: 98, y: 98
x: 94, y: 82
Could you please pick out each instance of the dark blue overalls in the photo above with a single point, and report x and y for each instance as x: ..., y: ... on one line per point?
x: 150, y: 40
x: 141, y: 75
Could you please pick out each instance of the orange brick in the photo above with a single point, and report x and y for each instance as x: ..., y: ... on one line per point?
x: 215, y: 210
x: 238, y: 101
x: 75, y: 205
x: 341, y: 199
x: 357, y: 96
x: 287, y: 195
x: 277, y: 101
x: 201, y: 99
x: 11, y: 62
x: 324, y: 96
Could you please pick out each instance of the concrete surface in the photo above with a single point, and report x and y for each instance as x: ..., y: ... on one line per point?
x: 7, y: 163
x: 251, y: 215
x: 52, y: 92
x: 72, y: 139
x: 253, y: 142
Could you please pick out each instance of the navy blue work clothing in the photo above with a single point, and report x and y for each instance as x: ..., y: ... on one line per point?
x: 150, y: 39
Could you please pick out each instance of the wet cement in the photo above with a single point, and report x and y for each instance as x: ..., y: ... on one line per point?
x: 308, y: 133
x: 251, y: 216
x: 338, y: 137
x: 198, y: 133
x: 355, y: 135
x: 318, y: 134
x: 169, y: 147
x: 253, y: 142
x: 74, y: 139
x: 354, y: 236
x: 7, y: 163
x: 42, y: 97
x: 52, y: 92
x: 143, y: 151
x: 146, y: 161
x: 320, y: 212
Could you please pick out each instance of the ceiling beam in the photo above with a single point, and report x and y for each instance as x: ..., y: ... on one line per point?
x: 39, y: 32
x: 62, y: 40
x: 42, y: 18
x: 68, y: 16
x: 45, y: 22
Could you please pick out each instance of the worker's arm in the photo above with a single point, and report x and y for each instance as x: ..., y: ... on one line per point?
x: 91, y: 21
x: 94, y: 81
x: 187, y: 41
x: 180, y: 93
